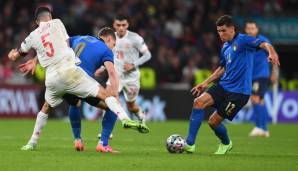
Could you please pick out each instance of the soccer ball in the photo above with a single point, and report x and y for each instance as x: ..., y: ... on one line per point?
x: 175, y: 144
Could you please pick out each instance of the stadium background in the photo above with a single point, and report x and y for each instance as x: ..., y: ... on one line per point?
x: 182, y: 39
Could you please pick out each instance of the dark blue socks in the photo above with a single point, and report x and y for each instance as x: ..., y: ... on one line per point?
x: 108, y: 123
x: 196, y: 118
x: 75, y: 121
x: 221, y: 132
x: 260, y: 113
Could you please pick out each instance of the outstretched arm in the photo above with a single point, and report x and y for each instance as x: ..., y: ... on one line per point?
x: 272, y: 57
x: 198, y: 89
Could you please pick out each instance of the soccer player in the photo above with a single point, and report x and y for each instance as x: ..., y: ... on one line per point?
x: 260, y: 77
x: 232, y: 91
x: 129, y: 46
x: 50, y: 41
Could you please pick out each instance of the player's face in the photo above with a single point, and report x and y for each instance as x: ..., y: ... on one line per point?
x: 121, y: 27
x: 226, y: 33
x: 251, y: 29
x: 111, y: 42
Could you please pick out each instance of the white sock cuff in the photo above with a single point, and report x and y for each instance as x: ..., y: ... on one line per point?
x: 42, y: 115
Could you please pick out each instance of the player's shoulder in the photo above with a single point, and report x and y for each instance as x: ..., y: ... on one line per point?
x: 262, y: 37
x: 133, y: 35
x: 56, y: 20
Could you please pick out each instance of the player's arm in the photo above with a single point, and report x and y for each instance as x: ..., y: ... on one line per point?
x: 198, y: 89
x: 274, y: 74
x: 14, y: 54
x: 28, y: 66
x: 113, y: 78
x: 99, y: 71
x: 143, y: 49
x: 272, y: 55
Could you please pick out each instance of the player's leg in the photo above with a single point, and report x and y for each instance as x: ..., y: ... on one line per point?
x: 115, y: 106
x: 196, y: 118
x: 131, y: 91
x: 226, y: 109
x: 108, y: 123
x: 41, y: 120
x: 215, y: 122
x: 260, y: 87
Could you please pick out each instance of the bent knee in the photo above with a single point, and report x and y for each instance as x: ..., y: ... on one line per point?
x: 199, y: 103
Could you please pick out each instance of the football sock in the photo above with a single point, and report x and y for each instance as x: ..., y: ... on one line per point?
x: 140, y: 114
x: 108, y: 123
x: 75, y: 121
x: 258, y: 115
x: 41, y: 120
x: 263, y: 113
x: 196, y: 118
x: 115, y: 106
x: 221, y: 132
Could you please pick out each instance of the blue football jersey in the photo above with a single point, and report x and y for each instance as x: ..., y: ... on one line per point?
x: 237, y: 58
x: 261, y: 64
x: 93, y: 52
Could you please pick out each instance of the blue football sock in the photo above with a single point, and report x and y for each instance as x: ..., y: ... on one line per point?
x: 221, y: 132
x: 108, y: 123
x: 196, y: 118
x: 263, y: 112
x: 75, y: 121
x: 258, y: 115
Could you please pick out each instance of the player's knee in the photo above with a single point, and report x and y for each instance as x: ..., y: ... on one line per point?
x: 199, y: 104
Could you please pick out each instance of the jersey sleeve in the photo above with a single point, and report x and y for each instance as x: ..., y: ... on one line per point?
x: 61, y: 27
x: 107, y: 56
x: 140, y: 44
x: 222, y: 60
x: 251, y: 42
x: 26, y: 44
x: 264, y: 39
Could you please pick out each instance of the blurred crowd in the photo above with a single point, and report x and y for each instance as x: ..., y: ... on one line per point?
x: 181, y: 35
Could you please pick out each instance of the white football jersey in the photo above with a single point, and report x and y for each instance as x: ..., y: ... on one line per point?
x: 127, y: 49
x: 50, y: 42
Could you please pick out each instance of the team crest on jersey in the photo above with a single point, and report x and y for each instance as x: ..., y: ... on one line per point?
x: 234, y: 47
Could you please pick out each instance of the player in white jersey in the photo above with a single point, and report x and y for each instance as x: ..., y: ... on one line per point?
x: 50, y: 41
x: 129, y: 46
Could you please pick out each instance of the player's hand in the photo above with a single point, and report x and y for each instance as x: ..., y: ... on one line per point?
x: 128, y: 67
x: 198, y: 89
x: 28, y: 66
x: 273, y: 58
x: 13, y: 54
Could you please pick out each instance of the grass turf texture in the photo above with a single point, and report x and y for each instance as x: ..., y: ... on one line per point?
x: 145, y: 152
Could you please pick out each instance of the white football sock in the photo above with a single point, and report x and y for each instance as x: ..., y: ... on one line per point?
x: 141, y: 114
x: 41, y: 120
x: 115, y: 106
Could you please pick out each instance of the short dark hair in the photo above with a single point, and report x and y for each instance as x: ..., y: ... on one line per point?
x: 251, y: 22
x: 121, y: 17
x: 225, y: 20
x: 41, y: 10
x: 106, y: 31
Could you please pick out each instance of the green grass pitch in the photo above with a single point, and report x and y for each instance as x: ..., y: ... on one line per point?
x: 145, y: 151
